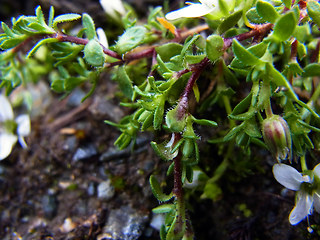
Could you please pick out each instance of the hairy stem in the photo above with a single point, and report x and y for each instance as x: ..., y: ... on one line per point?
x: 258, y: 32
x: 82, y: 41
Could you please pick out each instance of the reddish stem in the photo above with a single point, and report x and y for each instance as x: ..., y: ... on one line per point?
x: 196, y: 72
x: 315, y: 54
x: 257, y: 32
x: 82, y: 41
x: 294, y: 49
x: 137, y: 55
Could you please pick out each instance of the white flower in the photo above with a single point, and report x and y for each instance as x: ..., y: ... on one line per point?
x: 194, y: 10
x: 113, y: 8
x: 102, y: 37
x: 307, y: 195
x: 11, y: 130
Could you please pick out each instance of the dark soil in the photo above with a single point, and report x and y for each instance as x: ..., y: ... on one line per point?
x: 49, y: 191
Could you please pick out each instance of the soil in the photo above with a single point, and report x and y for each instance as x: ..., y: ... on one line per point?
x: 50, y: 190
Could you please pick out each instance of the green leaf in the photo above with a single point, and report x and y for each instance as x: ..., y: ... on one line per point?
x: 306, y: 106
x: 243, y: 105
x: 311, y: 70
x: 212, y: 191
x: 132, y: 37
x: 244, y: 55
x: 267, y: 11
x: 243, y: 116
x: 157, y: 191
x: 276, y: 77
x: 172, y: 121
x: 7, y: 30
x: 196, y: 92
x: 147, y: 121
x: 177, y: 229
x: 315, y: 129
x: 205, y: 122
x: 314, y: 11
x: 93, y: 53
x: 214, y: 47
x: 168, y: 50
x: 229, y: 22
x: 38, y: 28
x: 164, y: 150
x: 302, y: 33
x: 51, y: 16
x: 39, y: 44
x: 285, y: 26
x: 190, y: 41
x: 233, y: 132
x: 252, y: 128
x: 287, y: 3
x: 302, y: 50
x: 164, y: 208
x: 10, y: 43
x: 223, y: 6
x: 162, y: 67
x: 193, y: 59
x: 158, y: 115
x: 64, y: 18
x: 254, y: 17
x: 58, y: 85
x: 40, y: 16
x: 89, y: 27
x: 72, y: 82
x: 125, y: 83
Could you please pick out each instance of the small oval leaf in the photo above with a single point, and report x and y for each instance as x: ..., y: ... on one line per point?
x: 157, y: 191
x: 93, y: 53
x: 285, y: 26
x: 267, y: 11
x: 314, y: 11
x: 133, y: 37
x: 214, y: 47
x: 65, y: 18
x: 243, y: 54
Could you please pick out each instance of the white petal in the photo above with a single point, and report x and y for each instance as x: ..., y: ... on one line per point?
x: 191, y: 11
x: 302, y: 209
x: 316, y: 170
x: 23, y: 122
x: 113, y: 6
x: 316, y: 201
x: 288, y: 176
x: 22, y: 142
x: 7, y: 141
x: 6, y: 112
x: 102, y: 37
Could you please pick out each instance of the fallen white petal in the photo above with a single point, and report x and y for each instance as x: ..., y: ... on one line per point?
x: 288, y: 176
x: 316, y: 201
x: 6, y: 112
x: 7, y: 141
x: 24, y: 127
x: 191, y: 11
x: 302, y: 209
x: 316, y: 170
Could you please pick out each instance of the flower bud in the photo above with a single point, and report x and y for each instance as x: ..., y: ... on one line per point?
x: 276, y: 134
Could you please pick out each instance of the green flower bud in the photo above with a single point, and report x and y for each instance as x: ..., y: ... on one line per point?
x: 276, y: 134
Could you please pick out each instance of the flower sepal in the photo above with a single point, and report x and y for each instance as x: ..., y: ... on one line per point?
x: 277, y: 136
